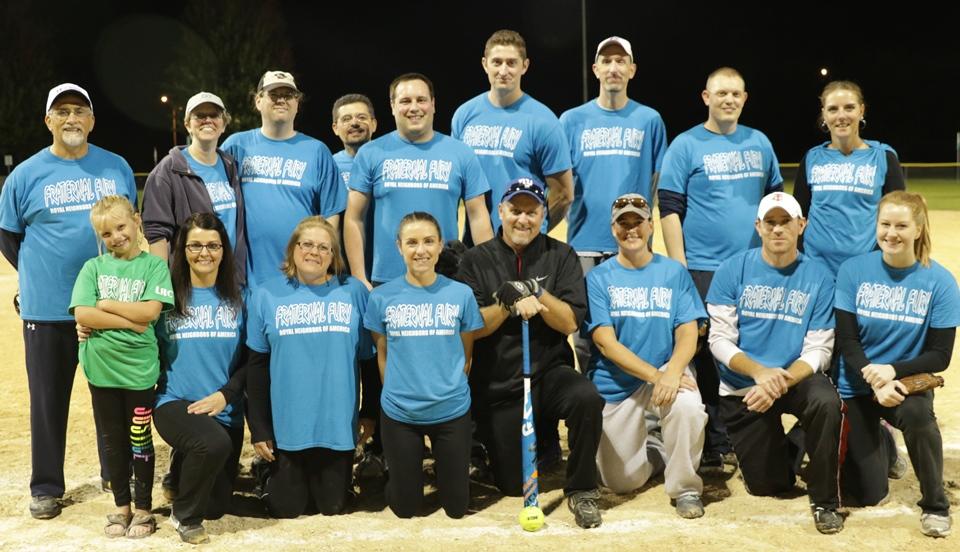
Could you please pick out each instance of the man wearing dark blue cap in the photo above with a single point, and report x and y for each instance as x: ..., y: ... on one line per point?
x: 523, y: 274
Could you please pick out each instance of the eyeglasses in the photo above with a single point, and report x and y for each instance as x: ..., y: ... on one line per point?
x: 637, y: 202
x: 310, y: 247
x: 216, y: 116
x: 283, y: 96
x: 64, y: 113
x: 359, y: 117
x: 195, y: 247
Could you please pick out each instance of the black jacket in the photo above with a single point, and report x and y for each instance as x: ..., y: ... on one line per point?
x: 173, y: 192
x: 496, y: 375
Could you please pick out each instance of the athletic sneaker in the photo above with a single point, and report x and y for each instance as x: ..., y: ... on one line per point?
x: 45, y: 507
x: 190, y: 534
x: 689, y: 506
x: 898, y: 468
x: 932, y: 525
x: 371, y: 466
x: 583, y: 504
x: 827, y: 520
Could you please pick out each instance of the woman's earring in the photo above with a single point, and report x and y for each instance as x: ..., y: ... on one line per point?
x: 823, y: 126
x: 863, y: 124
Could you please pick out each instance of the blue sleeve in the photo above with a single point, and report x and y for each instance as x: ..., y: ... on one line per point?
x: 331, y: 196
x: 723, y: 289
x: 675, y: 172
x: 554, y: 149
x: 689, y: 305
x: 131, y: 182
x: 845, y: 292
x: 456, y: 124
x: 659, y: 144
x: 475, y: 180
x: 10, y: 215
x: 256, y: 328
x: 472, y: 319
x: 230, y: 146
x: 373, y: 318
x: 945, y: 303
x: 775, y: 180
x: 822, y: 318
x: 361, y: 178
x: 598, y: 304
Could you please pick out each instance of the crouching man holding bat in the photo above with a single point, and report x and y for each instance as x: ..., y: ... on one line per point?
x: 522, y: 275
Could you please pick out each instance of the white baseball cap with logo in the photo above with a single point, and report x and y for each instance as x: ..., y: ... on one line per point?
x: 276, y: 79
x: 202, y: 98
x: 624, y: 43
x: 782, y: 200
x: 62, y: 89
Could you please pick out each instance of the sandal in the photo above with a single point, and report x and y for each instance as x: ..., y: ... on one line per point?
x: 117, y: 525
x: 139, y: 523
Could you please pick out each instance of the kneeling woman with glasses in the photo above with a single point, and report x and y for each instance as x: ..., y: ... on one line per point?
x: 199, y: 408
x: 305, y: 334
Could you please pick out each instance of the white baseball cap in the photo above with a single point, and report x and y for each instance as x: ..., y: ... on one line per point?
x: 782, y: 200
x: 62, y: 89
x: 202, y: 98
x: 276, y: 79
x: 624, y: 43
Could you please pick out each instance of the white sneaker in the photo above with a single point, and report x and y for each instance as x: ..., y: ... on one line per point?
x: 933, y: 525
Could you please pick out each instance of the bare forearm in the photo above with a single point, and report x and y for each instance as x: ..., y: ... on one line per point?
x: 493, y: 317
x: 673, y: 238
x: 560, y: 316
x: 480, y: 227
x: 685, y: 346
x: 160, y: 248
x: 92, y: 317
x: 141, y: 312
x: 627, y: 361
x: 742, y: 364
x: 353, y: 238
x: 560, y: 196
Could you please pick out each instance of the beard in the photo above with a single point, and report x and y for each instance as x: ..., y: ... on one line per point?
x: 73, y: 139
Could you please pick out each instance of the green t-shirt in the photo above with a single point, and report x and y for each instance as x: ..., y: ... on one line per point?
x: 119, y: 358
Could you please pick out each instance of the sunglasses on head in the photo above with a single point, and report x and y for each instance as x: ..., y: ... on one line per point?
x: 637, y: 202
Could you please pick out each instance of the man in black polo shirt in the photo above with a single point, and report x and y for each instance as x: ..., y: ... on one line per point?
x: 522, y: 274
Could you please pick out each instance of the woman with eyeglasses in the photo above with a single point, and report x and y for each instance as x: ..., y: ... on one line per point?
x: 199, y: 408
x: 423, y: 326
x: 305, y: 335
x: 840, y: 182
x: 197, y: 178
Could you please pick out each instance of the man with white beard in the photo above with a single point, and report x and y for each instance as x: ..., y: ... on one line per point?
x: 45, y: 234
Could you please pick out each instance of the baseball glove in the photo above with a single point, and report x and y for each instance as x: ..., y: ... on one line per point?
x: 918, y: 383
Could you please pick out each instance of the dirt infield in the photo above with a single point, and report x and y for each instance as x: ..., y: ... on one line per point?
x: 642, y: 520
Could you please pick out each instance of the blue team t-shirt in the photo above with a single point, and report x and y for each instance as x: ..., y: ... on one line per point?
x: 895, y: 307
x: 403, y: 177
x: 845, y: 191
x: 314, y: 335
x: 48, y: 199
x: 522, y: 139
x: 424, y: 382
x: 344, y: 163
x: 218, y: 188
x: 776, y: 307
x: 643, y: 306
x: 199, y: 352
x: 723, y: 177
x: 615, y: 152
x: 283, y: 182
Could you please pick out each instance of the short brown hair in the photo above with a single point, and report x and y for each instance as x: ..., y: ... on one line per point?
x: 409, y: 77
x: 506, y: 37
x: 349, y: 99
x: 337, y: 266
x: 726, y: 72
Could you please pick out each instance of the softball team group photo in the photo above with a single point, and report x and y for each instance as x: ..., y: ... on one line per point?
x: 407, y: 343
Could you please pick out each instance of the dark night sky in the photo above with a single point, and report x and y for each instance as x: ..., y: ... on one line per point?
x: 907, y: 63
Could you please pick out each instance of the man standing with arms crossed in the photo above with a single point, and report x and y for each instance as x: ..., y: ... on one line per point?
x: 617, y: 148
x: 411, y: 169
x: 712, y: 179
x: 513, y: 134
x: 284, y: 175
x: 45, y: 234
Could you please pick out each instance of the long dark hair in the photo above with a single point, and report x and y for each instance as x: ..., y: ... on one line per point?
x: 226, y: 283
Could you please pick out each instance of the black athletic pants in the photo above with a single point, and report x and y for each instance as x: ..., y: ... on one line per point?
x: 208, y: 453
x: 403, y: 447
x: 125, y: 419
x: 763, y: 450
x: 864, y: 475
x: 51, y: 360
x: 561, y: 393
x: 716, y: 440
x: 298, y: 477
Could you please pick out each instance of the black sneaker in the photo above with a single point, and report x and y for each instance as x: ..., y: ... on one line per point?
x: 169, y: 487
x: 583, y: 504
x: 827, y: 520
x: 45, y: 507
